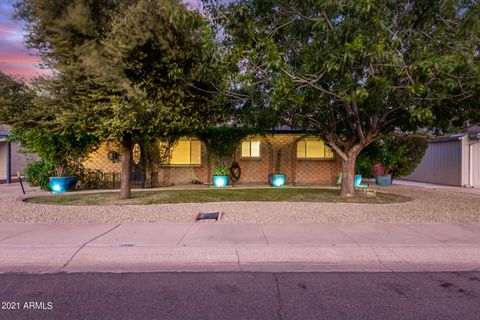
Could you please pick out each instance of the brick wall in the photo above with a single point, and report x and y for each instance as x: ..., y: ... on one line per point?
x: 254, y: 170
x: 184, y: 174
x: 99, y: 159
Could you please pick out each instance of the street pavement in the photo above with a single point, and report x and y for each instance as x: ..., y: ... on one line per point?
x: 241, y: 295
x: 50, y: 248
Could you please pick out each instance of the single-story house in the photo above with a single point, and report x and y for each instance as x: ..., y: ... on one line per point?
x: 305, y: 160
x: 11, y: 159
x: 452, y: 160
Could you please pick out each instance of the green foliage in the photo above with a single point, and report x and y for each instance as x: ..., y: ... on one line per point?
x: 88, y: 179
x: 364, y: 164
x: 15, y: 96
x: 56, y: 149
x: 135, y: 68
x: 222, y: 141
x: 357, y: 69
x: 220, y: 171
x: 399, y: 156
x: 354, y: 71
x: 143, y: 68
x: 34, y: 114
x: 38, y: 174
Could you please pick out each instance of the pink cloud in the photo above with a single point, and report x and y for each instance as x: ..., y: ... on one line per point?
x: 22, y: 70
x: 15, y: 59
x: 6, y: 28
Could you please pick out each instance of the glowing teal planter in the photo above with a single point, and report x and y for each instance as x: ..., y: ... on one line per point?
x: 358, y: 180
x: 220, y: 181
x: 277, y: 180
x: 62, y: 184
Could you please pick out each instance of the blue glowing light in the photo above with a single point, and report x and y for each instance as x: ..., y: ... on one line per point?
x: 62, y: 184
x: 277, y: 180
x: 220, y: 181
x: 56, y: 188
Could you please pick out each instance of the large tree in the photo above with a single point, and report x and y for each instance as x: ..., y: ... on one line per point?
x: 141, y: 67
x: 354, y: 71
x: 32, y: 111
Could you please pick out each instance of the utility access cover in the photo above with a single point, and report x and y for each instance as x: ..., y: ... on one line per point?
x: 208, y: 216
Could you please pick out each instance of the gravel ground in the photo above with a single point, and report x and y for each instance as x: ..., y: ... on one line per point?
x: 427, y: 206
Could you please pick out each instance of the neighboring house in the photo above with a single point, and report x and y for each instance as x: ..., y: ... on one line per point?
x: 305, y: 160
x: 454, y: 160
x: 11, y: 159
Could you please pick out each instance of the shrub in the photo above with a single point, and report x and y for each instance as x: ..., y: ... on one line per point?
x: 87, y: 178
x: 399, y: 156
x: 220, y: 171
x: 37, y: 174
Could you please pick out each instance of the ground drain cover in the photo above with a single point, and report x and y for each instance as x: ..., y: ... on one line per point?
x: 208, y: 216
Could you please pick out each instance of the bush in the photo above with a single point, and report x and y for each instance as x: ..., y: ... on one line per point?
x: 399, y: 156
x: 87, y: 178
x: 37, y: 174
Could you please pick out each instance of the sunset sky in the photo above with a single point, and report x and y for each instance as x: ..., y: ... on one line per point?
x: 15, y: 59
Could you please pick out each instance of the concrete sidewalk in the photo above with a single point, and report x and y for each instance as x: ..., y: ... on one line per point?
x: 238, y: 247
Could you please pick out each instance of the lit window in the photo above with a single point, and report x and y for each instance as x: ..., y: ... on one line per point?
x: 313, y: 148
x: 186, y: 151
x: 251, y: 148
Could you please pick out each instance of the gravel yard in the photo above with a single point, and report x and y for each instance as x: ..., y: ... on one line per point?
x: 427, y: 206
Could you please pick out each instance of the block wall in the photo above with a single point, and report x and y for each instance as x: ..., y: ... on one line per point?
x: 253, y: 170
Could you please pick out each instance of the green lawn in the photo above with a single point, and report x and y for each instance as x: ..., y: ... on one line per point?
x: 215, y: 195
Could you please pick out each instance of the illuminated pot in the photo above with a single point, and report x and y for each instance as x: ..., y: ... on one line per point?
x: 277, y: 180
x: 62, y: 184
x: 220, y: 181
x: 358, y: 180
x: 383, y: 180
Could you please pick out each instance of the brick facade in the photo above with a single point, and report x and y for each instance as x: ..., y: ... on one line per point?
x: 253, y: 170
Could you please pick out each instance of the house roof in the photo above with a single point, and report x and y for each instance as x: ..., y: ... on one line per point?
x: 285, y: 129
x: 5, y: 133
x: 472, y: 131
x: 452, y: 137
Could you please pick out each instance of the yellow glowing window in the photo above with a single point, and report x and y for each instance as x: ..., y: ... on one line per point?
x: 313, y: 148
x: 186, y: 151
x: 251, y: 148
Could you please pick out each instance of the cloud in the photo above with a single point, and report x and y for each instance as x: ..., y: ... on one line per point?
x: 15, y: 58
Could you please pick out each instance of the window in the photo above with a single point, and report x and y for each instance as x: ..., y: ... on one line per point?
x: 251, y: 149
x: 312, y: 148
x: 186, y: 151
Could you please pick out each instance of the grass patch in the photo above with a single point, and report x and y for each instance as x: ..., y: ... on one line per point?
x: 215, y: 195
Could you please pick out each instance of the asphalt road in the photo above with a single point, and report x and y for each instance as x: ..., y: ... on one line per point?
x: 241, y: 296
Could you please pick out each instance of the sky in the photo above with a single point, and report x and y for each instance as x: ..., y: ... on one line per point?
x: 15, y: 59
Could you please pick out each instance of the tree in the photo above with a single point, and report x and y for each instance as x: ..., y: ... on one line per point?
x: 399, y: 156
x: 222, y: 141
x: 32, y: 112
x: 15, y: 97
x: 142, y: 67
x: 352, y: 72
x: 57, y: 149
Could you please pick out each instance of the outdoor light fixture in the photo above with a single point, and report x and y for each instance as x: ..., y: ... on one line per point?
x: 113, y: 156
x: 56, y: 188
x: 220, y: 181
x: 62, y: 184
x: 277, y: 180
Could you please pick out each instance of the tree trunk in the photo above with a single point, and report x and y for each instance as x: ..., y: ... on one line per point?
x: 348, y: 176
x: 126, y: 167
